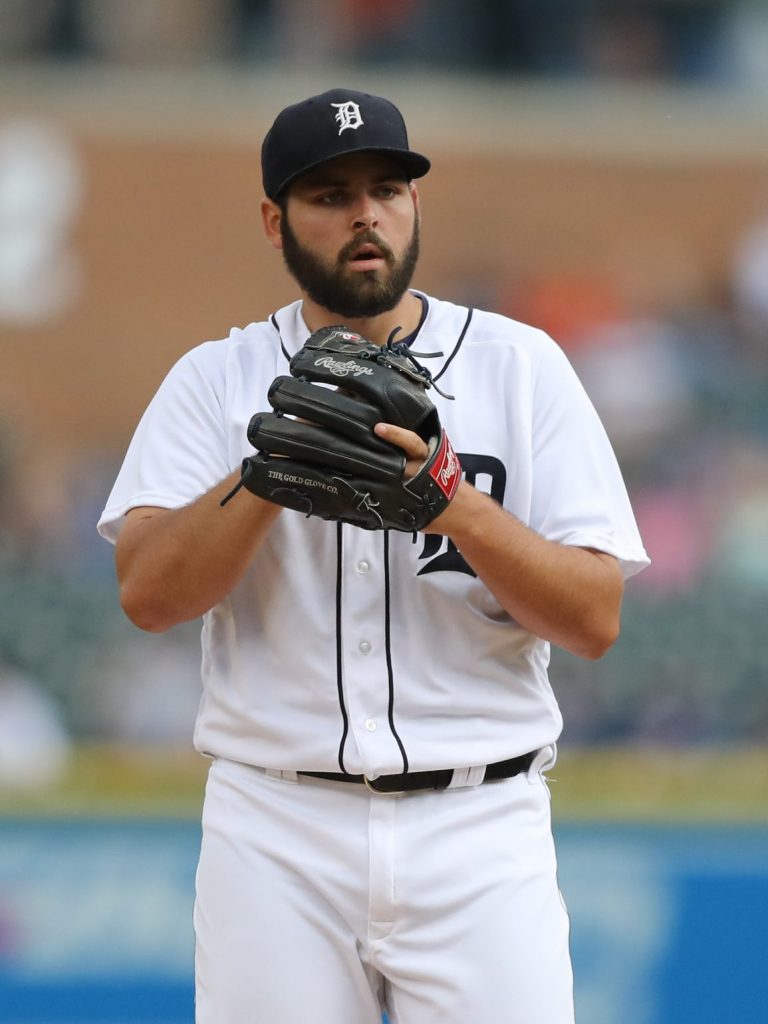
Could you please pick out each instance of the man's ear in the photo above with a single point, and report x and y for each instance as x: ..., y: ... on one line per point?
x: 271, y: 216
x: 416, y: 201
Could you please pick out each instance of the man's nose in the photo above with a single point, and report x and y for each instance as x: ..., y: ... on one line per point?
x: 365, y: 215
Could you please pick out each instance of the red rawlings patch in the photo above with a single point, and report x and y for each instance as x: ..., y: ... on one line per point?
x: 446, y: 468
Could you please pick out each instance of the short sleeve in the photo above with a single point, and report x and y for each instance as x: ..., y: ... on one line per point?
x: 179, y: 449
x: 578, y: 492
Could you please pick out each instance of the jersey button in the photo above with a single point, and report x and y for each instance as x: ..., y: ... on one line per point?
x: 363, y: 567
x: 370, y: 725
x: 364, y: 647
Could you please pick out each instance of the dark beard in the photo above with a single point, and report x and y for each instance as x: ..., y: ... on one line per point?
x: 353, y: 295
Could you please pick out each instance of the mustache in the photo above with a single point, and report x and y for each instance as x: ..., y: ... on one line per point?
x: 367, y: 237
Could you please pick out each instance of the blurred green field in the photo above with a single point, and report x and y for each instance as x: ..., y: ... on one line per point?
x: 619, y: 784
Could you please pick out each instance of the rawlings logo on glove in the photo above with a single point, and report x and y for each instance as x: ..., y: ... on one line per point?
x: 342, y: 369
x: 446, y: 471
x: 318, y: 454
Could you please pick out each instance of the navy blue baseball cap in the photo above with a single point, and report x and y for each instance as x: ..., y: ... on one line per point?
x: 335, y: 123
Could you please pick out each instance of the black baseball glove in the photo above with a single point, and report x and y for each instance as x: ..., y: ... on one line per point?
x: 317, y: 452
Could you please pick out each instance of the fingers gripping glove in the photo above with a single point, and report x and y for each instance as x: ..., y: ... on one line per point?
x: 317, y: 452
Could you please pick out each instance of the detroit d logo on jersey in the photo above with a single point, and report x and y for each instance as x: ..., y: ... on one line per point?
x: 439, y: 553
x: 347, y: 115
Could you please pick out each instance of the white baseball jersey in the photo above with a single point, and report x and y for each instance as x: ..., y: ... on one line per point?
x: 369, y: 652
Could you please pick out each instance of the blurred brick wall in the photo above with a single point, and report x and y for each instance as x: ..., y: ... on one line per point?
x: 169, y: 238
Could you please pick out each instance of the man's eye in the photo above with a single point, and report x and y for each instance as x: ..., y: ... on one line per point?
x: 330, y: 198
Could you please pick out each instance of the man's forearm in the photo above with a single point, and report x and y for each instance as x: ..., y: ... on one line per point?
x: 173, y: 565
x: 567, y: 595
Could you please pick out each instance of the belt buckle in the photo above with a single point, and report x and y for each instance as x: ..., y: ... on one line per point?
x: 369, y: 785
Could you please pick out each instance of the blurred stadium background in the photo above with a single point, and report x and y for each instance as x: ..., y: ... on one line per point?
x: 601, y: 170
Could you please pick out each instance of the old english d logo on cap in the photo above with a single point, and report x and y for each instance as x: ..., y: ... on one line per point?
x: 348, y: 115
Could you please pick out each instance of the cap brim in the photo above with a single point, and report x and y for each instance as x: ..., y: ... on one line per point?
x: 416, y: 164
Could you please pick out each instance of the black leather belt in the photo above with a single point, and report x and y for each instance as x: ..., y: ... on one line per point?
x: 407, y: 782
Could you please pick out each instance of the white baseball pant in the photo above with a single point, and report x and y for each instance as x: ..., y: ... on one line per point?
x: 323, y: 903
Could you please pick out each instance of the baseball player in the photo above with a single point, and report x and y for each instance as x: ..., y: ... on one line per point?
x: 381, y: 568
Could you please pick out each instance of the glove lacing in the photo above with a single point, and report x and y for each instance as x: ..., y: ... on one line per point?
x: 245, y: 473
x: 402, y: 349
